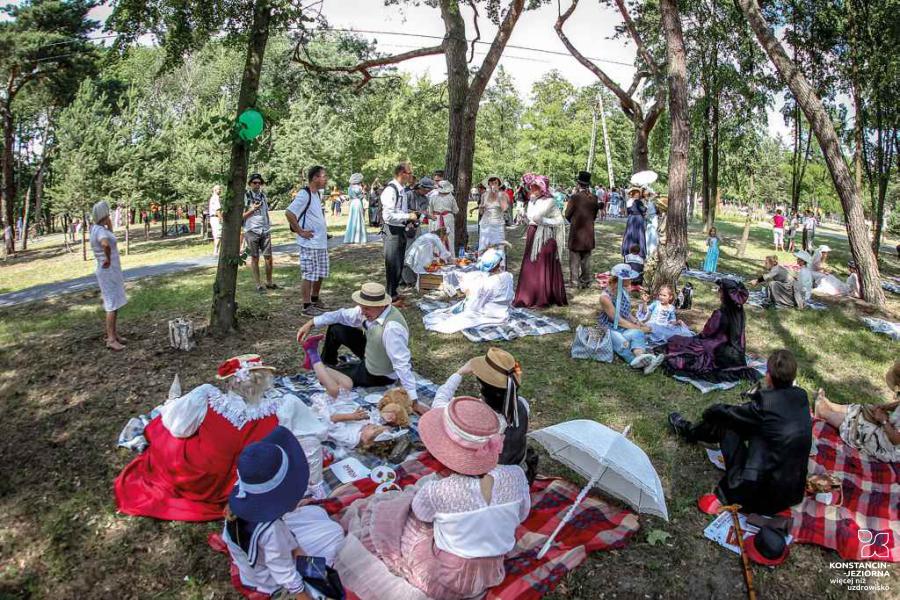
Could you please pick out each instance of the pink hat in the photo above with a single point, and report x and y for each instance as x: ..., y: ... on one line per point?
x: 465, y: 435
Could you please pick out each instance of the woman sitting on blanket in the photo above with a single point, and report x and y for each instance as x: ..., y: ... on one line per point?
x: 426, y: 249
x: 445, y: 537
x: 780, y: 286
x: 499, y: 375
x: 489, y: 293
x: 717, y: 353
x: 872, y: 429
x: 628, y: 339
x: 660, y: 316
x: 188, y: 469
x: 265, y: 531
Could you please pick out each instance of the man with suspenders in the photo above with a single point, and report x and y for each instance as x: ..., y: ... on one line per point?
x: 396, y: 214
x: 306, y: 217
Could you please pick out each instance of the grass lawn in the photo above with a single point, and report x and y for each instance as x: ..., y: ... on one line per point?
x: 48, y: 261
x: 64, y: 400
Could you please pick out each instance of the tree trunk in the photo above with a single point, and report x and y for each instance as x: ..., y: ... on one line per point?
x: 742, y: 247
x: 821, y: 125
x: 9, y: 182
x: 640, y: 159
x: 705, y: 178
x: 84, y: 227
x: 26, y: 214
x: 714, y: 171
x: 673, y: 254
x: 224, y: 307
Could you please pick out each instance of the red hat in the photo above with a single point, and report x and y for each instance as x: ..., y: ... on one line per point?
x: 767, y: 547
x: 241, y: 365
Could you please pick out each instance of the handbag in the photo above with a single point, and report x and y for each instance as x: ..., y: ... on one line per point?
x: 592, y: 343
x: 320, y: 576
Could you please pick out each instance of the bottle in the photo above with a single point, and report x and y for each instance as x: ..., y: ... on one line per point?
x: 462, y: 252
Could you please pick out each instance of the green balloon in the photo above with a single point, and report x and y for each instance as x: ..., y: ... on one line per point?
x: 250, y: 124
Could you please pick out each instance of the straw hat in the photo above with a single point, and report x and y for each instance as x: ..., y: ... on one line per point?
x: 272, y: 477
x: 241, y: 366
x: 892, y: 377
x: 466, y: 435
x: 495, y: 367
x: 445, y: 187
x: 371, y: 294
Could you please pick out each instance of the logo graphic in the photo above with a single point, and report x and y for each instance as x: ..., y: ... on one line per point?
x: 874, y: 545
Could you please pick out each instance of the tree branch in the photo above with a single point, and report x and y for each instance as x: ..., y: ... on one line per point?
x: 364, y: 68
x: 480, y: 81
x: 641, y: 48
x: 638, y: 78
x: 631, y: 108
x: 477, y: 30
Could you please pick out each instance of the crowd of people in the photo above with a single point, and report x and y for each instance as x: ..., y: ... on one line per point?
x: 247, y: 450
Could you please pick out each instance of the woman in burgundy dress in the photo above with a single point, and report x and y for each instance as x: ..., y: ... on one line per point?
x: 541, y: 280
x: 717, y: 353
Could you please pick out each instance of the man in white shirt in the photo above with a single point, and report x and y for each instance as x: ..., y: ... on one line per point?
x: 395, y: 214
x: 306, y: 217
x: 376, y: 333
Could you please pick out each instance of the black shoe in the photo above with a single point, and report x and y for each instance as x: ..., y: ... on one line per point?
x: 400, y: 450
x: 680, y: 426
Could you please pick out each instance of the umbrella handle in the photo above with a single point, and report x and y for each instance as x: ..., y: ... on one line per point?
x: 618, y: 301
x: 568, y: 515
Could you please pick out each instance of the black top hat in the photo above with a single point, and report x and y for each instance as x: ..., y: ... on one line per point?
x: 768, y: 547
x: 256, y: 176
x: 584, y: 178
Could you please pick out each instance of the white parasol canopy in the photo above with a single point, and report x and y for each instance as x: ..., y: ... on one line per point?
x: 644, y: 178
x: 609, y: 461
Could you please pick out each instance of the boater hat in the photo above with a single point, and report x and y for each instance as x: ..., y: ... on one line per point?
x: 371, y: 294
x: 495, y: 367
x: 272, y: 477
x: 465, y: 435
x: 241, y: 366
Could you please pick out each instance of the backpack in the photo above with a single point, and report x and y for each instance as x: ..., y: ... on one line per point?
x: 685, y: 298
x: 301, y: 218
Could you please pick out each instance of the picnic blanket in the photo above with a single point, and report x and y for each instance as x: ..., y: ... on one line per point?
x: 890, y: 286
x: 305, y: 385
x: 888, y: 328
x: 708, y: 386
x: 709, y: 277
x: 866, y: 524
x: 759, y: 299
x: 595, y: 526
x: 522, y: 322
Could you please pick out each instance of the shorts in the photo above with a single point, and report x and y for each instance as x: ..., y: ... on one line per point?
x: 778, y: 233
x: 258, y: 243
x: 314, y: 263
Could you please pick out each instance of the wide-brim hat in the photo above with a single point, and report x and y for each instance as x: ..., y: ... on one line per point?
x: 487, y: 180
x: 804, y: 256
x: 635, y: 190
x: 495, y: 367
x: 624, y: 271
x: 426, y: 183
x: 255, y: 177
x: 371, y: 294
x: 243, y: 363
x: 272, y: 477
x: 356, y: 178
x: 465, y: 436
x: 584, y: 178
x: 767, y: 547
x: 892, y: 377
x: 445, y: 187
x: 824, y: 248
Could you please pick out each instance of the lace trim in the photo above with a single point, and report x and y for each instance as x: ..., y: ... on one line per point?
x: 236, y: 411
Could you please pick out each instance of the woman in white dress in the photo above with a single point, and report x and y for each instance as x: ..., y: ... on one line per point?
x: 109, y: 272
x: 356, y: 223
x: 489, y: 294
x: 442, y: 210
x: 215, y: 217
x: 426, y: 248
x: 491, y: 227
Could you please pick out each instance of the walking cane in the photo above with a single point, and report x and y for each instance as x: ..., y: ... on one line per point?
x: 745, y: 562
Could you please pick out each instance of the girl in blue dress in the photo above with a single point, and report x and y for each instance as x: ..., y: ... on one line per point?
x: 711, y: 264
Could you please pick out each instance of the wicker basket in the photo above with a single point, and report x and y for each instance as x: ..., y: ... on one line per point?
x: 430, y: 281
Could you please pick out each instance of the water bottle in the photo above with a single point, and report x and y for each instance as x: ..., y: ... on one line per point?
x: 462, y: 252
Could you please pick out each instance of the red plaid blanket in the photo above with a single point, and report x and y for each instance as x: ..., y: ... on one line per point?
x: 866, y: 525
x: 595, y: 526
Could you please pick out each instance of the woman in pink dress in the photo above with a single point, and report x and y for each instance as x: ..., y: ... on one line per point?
x: 541, y: 280
x: 443, y: 538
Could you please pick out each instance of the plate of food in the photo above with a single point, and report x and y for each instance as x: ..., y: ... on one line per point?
x: 463, y: 262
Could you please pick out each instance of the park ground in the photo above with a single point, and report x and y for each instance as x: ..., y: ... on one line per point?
x: 64, y: 399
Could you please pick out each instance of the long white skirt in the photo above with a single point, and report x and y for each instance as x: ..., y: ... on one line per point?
x: 490, y: 235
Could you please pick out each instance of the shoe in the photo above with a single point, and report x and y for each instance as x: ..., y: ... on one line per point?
x: 260, y: 289
x: 641, y: 361
x: 310, y: 342
x: 311, y: 311
x: 680, y: 426
x: 654, y: 363
x: 272, y: 286
x: 319, y: 304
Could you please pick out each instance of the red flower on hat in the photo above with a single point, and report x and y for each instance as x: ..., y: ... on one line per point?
x: 229, y: 367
